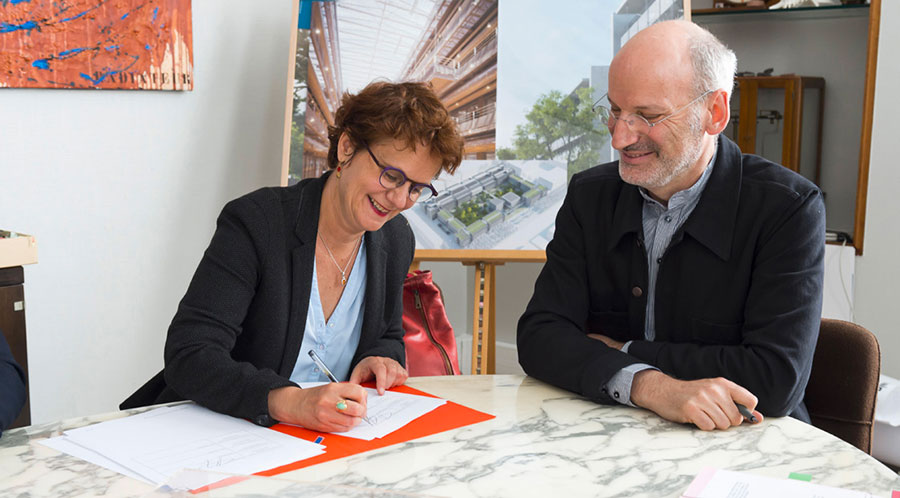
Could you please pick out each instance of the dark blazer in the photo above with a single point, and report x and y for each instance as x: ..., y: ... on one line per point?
x: 12, y: 386
x: 739, y: 290
x: 237, y: 332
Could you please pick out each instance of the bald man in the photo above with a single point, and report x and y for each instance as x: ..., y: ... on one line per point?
x: 686, y: 277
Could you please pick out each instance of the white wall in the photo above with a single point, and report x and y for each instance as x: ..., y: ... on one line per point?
x: 878, y: 269
x: 122, y: 189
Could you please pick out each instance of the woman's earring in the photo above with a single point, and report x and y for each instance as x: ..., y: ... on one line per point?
x: 341, y: 165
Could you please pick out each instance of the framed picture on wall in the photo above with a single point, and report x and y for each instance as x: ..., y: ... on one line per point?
x: 127, y: 44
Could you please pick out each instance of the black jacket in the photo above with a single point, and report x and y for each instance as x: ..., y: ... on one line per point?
x: 739, y: 290
x: 237, y: 332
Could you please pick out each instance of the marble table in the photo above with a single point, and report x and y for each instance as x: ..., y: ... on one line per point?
x: 543, y: 442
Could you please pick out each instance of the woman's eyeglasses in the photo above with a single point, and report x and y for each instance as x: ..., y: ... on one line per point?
x: 394, y: 178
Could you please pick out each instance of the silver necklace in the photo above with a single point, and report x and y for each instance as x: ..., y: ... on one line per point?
x: 344, y: 269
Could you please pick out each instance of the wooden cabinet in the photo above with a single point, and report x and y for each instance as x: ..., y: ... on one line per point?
x: 797, y: 104
x: 12, y: 323
x: 837, y: 43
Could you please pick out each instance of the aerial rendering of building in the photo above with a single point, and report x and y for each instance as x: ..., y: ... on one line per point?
x: 484, y: 201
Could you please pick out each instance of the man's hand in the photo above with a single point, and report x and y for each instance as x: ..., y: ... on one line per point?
x: 386, y: 371
x: 707, y: 403
x: 608, y: 341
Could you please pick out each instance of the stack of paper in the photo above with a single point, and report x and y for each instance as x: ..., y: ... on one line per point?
x: 153, y: 446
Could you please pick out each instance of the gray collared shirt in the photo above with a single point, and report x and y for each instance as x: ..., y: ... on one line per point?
x: 659, y: 223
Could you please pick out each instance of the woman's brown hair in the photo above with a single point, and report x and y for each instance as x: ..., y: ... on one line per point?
x: 408, y: 112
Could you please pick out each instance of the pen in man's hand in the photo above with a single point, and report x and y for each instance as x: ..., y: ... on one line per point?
x: 741, y: 408
x: 321, y: 364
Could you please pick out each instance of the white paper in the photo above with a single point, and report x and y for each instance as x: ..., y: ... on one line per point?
x: 887, y: 405
x: 65, y: 445
x: 717, y: 483
x: 158, y: 443
x: 186, y: 482
x: 388, y: 412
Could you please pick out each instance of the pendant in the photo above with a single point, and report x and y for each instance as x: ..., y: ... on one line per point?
x: 343, y: 279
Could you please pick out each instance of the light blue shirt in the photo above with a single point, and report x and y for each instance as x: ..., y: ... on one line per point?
x: 659, y: 225
x: 335, y: 341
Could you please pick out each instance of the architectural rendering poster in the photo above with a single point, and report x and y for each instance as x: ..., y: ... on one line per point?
x: 546, y: 130
x: 525, y: 115
x: 297, y: 103
x: 547, y: 114
x: 451, y: 44
x: 126, y: 44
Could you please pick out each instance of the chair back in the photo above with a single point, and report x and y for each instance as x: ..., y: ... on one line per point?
x: 843, y: 383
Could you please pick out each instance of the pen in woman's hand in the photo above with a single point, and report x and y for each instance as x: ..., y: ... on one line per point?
x: 324, y: 368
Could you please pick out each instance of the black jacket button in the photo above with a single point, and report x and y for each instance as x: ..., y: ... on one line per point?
x: 637, y: 291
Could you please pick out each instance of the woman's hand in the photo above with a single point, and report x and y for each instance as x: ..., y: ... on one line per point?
x: 386, y: 371
x: 318, y: 408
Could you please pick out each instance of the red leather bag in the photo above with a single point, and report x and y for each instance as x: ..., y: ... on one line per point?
x: 429, y: 340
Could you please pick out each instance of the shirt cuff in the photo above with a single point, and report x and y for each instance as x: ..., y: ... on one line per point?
x: 619, y: 386
x: 626, y: 346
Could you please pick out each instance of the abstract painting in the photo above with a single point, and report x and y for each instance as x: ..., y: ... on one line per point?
x: 124, y: 44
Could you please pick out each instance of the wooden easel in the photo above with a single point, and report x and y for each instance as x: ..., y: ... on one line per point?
x: 484, y: 336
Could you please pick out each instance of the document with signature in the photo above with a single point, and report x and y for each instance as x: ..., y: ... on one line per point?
x: 718, y: 483
x: 387, y: 412
x: 156, y: 444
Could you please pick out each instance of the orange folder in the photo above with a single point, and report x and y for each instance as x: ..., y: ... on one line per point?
x: 448, y: 416
x: 445, y: 417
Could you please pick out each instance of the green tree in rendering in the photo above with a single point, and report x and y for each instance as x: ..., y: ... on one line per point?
x: 561, y: 127
x: 504, y: 154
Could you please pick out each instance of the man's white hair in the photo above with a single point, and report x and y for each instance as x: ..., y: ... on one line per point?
x: 714, y: 64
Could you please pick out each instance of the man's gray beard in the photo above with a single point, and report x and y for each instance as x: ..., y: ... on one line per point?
x: 677, y: 166
x: 674, y: 167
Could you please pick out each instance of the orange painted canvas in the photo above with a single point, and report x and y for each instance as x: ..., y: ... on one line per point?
x: 123, y: 44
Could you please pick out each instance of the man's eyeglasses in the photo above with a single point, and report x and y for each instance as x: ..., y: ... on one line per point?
x: 635, y: 122
x: 394, y: 178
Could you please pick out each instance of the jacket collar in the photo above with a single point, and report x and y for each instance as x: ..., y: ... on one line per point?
x: 627, y: 216
x: 307, y: 223
x: 712, y: 221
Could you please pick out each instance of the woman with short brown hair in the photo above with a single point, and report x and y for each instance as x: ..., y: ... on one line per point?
x: 318, y: 266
